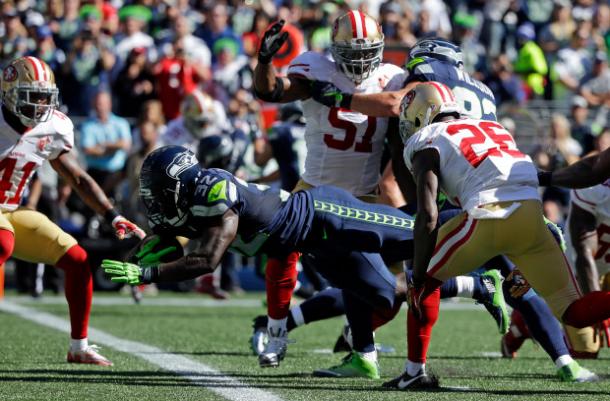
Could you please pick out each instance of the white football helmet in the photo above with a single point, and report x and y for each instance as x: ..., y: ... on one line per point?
x: 357, y: 45
x: 203, y: 116
x: 29, y: 91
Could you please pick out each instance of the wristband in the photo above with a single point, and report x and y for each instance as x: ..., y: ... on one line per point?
x: 150, y: 275
x: 346, y: 101
x: 111, y: 214
x: 545, y: 178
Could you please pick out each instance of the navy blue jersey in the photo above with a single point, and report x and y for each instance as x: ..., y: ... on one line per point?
x: 287, y: 141
x: 475, y: 97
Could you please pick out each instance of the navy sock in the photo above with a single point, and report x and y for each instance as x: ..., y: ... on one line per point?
x: 449, y: 288
x: 360, y: 317
x: 323, y: 305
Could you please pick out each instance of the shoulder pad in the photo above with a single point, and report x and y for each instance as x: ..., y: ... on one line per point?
x: 311, y: 66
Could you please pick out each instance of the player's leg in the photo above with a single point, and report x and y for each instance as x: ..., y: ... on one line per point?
x: 35, y: 232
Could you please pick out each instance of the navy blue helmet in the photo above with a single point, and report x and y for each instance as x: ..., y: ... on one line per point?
x: 215, y: 151
x: 438, y: 48
x: 165, y: 178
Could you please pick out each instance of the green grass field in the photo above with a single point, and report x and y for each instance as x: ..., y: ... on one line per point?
x: 32, y: 356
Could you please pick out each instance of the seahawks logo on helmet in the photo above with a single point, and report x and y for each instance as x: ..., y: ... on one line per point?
x: 181, y: 163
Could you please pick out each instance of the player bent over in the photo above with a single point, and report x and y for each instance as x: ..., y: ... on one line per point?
x: 32, y: 131
x: 478, y: 166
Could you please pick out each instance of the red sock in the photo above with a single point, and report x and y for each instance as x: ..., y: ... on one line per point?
x: 7, y: 244
x: 281, y: 277
x: 419, y: 331
x: 382, y: 316
x: 79, y: 289
x: 592, y: 308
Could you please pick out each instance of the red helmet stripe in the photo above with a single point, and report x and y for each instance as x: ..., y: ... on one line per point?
x: 363, y: 19
x: 354, y: 26
x: 33, y: 63
x: 450, y: 92
x: 438, y: 88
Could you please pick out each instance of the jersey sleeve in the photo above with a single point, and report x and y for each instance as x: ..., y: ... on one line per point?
x: 589, y: 198
x: 398, y: 76
x: 311, y: 66
x: 214, y: 195
x: 425, y: 138
x: 63, y: 140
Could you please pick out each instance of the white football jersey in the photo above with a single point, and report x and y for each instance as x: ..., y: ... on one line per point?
x: 22, y: 154
x: 596, y: 200
x: 344, y: 147
x: 177, y: 134
x: 479, y: 163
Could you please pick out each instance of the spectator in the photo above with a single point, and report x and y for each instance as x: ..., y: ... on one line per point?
x: 68, y: 26
x: 47, y: 51
x: 231, y: 70
x: 581, y: 129
x: 105, y: 139
x: 505, y: 85
x: 134, y: 18
x: 217, y: 27
x: 135, y: 84
x: 562, y: 141
x: 251, y: 38
x: 530, y: 63
x: 14, y: 42
x: 571, y: 68
x: 196, y: 49
x: 603, y: 140
x: 596, y: 90
x: 150, y: 112
x: 473, y: 52
x: 176, y: 76
x: 557, y: 33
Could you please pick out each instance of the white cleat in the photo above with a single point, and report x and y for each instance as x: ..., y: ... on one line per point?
x: 274, y: 351
x: 89, y: 355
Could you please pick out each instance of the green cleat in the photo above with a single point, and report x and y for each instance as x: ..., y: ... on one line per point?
x: 494, y: 299
x: 575, y: 373
x: 353, y: 365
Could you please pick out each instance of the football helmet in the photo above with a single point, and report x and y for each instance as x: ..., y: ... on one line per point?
x: 215, y: 151
x: 203, y: 116
x: 357, y: 45
x: 29, y: 91
x: 165, y: 179
x: 438, y: 48
x: 423, y: 104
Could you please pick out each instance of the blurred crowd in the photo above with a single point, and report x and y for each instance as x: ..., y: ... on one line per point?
x: 124, y: 69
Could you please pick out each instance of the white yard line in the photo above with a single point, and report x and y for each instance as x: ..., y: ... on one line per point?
x: 197, y: 372
x: 194, y: 302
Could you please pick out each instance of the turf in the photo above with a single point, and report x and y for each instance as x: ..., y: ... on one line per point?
x: 32, y: 367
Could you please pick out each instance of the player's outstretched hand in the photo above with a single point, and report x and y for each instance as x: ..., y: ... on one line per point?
x: 122, y: 272
x: 414, y: 297
x: 329, y: 95
x: 273, y: 39
x: 124, y: 228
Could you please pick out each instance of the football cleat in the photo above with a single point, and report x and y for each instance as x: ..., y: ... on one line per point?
x: 206, y: 285
x: 274, y: 351
x: 493, y: 299
x: 259, y: 337
x: 344, y: 341
x: 352, y: 365
x: 419, y: 381
x: 88, y: 355
x: 575, y: 373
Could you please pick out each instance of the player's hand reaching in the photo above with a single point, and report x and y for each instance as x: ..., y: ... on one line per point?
x: 329, y: 95
x: 122, y: 272
x: 414, y: 296
x: 272, y: 40
x: 124, y: 228
x: 149, y: 254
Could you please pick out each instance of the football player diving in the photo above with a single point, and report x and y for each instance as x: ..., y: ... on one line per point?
x: 33, y: 131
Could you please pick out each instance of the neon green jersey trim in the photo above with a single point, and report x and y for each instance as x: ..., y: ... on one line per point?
x: 364, y: 215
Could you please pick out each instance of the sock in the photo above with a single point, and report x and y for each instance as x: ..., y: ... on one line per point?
x: 323, y: 305
x: 7, y: 244
x: 420, y: 331
x: 449, y: 289
x: 592, y: 308
x: 369, y: 356
x: 276, y: 327
x: 413, y: 368
x: 295, y: 318
x: 359, y: 315
x: 563, y: 360
x: 465, y: 286
x: 78, y: 345
x: 280, y: 277
x: 79, y: 289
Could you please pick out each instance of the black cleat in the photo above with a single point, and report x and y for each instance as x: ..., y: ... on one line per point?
x: 406, y: 382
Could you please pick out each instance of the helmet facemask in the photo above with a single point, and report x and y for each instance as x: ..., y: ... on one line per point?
x: 359, y: 59
x: 33, y: 103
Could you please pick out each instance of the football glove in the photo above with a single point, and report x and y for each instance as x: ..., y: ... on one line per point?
x: 148, y: 256
x: 557, y: 233
x: 124, y: 228
x: 122, y: 272
x: 272, y: 40
x: 329, y: 95
x: 414, y: 297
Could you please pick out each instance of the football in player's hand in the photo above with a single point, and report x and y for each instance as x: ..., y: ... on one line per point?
x: 154, y: 250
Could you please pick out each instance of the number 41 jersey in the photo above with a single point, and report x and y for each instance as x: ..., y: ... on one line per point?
x: 344, y: 147
x: 479, y: 162
x: 22, y: 154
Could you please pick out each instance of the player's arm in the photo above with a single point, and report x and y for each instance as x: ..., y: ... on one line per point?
x: 583, y: 235
x: 426, y: 164
x: 587, y: 172
x: 93, y: 196
x: 267, y: 85
x: 401, y: 172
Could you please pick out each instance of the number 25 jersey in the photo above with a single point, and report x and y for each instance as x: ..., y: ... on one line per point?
x: 479, y: 162
x: 22, y: 154
x: 344, y: 147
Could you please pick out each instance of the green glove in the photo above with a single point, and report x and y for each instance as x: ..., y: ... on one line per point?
x: 146, y: 257
x: 122, y: 272
x: 557, y: 233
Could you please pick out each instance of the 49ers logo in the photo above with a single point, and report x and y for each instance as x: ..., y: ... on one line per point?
x: 43, y: 142
x: 9, y: 74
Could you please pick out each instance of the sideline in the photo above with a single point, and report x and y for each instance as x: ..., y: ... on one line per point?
x: 197, y: 372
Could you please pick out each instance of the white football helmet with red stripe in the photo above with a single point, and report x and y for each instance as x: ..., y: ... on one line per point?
x: 202, y: 115
x: 423, y: 104
x: 357, y: 45
x: 29, y: 90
